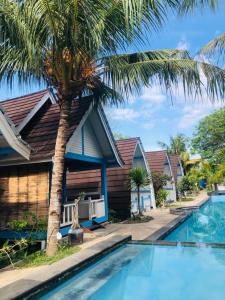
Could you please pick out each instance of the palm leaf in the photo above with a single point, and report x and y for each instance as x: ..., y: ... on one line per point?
x: 217, y: 45
x: 128, y: 73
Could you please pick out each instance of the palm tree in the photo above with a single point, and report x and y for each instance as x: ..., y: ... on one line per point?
x: 177, y: 144
x: 139, y: 178
x: 73, y: 46
x: 215, y: 46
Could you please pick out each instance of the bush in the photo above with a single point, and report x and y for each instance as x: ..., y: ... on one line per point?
x: 161, y: 197
x: 185, y: 186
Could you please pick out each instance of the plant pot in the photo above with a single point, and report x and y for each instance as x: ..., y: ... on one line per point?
x: 76, y: 236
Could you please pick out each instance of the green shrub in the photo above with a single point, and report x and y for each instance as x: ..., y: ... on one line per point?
x: 161, y: 197
x: 185, y: 186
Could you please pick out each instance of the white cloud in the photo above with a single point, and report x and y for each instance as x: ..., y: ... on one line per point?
x: 193, y: 113
x: 124, y: 114
x: 183, y: 44
x: 153, y: 94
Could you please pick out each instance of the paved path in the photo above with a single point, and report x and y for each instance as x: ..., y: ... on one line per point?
x: 161, y: 218
x: 141, y: 231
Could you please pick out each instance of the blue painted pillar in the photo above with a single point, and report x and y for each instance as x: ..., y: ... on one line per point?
x: 104, y: 187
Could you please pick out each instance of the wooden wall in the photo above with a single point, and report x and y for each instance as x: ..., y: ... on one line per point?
x: 23, y: 188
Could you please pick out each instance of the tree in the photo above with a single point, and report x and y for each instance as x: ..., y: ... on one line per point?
x: 120, y: 136
x: 159, y: 181
x: 73, y: 46
x: 177, y: 144
x: 139, y: 178
x: 215, y: 47
x: 212, y: 173
x: 208, y: 139
x: 185, y: 185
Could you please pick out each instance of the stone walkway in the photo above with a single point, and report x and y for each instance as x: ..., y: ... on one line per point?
x: 141, y: 231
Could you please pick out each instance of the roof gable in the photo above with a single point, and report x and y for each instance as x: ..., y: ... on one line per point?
x: 18, y: 108
x: 157, y: 160
x: 10, y: 139
x: 175, y: 163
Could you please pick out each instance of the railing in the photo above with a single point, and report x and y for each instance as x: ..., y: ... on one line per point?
x: 67, y: 214
x: 87, y: 210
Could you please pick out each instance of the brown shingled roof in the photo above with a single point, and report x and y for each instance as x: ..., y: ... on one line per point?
x: 41, y: 132
x: 18, y: 108
x: 174, y: 161
x: 156, y: 160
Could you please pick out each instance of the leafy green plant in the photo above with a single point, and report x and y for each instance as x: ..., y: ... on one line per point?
x: 159, y: 181
x: 139, y: 177
x: 18, y: 225
x: 29, y: 222
x: 185, y: 186
x: 10, y: 250
x: 161, y: 197
x: 114, y: 217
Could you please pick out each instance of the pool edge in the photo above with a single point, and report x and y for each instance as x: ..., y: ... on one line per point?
x: 166, y: 230
x: 32, y: 288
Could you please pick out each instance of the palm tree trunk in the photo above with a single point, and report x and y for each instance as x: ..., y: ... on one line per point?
x: 139, y: 204
x: 54, y: 212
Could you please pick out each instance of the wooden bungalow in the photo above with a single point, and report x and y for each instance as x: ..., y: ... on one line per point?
x: 177, y: 168
x: 121, y: 197
x: 159, y: 162
x: 28, y: 128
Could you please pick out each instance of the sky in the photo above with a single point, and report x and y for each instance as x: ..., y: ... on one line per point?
x: 153, y: 115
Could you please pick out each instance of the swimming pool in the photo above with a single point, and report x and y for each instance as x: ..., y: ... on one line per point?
x: 206, y: 225
x: 137, y: 271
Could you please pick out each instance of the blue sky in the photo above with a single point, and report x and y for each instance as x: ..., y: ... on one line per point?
x: 152, y: 115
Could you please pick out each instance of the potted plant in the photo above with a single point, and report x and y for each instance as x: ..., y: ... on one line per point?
x: 76, y: 233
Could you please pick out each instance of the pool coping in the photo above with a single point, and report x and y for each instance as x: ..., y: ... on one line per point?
x: 182, y: 217
x: 177, y: 244
x: 39, y: 281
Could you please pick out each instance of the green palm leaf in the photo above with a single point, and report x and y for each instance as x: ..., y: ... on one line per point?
x: 217, y: 45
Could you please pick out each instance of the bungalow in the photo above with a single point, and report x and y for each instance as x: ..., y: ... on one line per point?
x: 121, y: 197
x: 28, y: 128
x: 159, y: 162
x: 177, y: 168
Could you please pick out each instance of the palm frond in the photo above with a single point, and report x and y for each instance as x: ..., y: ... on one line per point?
x: 191, y: 5
x: 216, y: 45
x: 128, y: 73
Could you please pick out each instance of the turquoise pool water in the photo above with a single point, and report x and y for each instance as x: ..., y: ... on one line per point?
x: 149, y: 272
x: 206, y: 225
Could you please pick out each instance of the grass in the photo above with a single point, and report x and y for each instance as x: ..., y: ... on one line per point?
x: 40, y: 258
x: 180, y: 203
x: 138, y: 219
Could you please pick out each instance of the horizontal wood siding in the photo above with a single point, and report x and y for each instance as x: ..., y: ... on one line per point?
x: 91, y: 145
x: 23, y: 189
x: 75, y: 142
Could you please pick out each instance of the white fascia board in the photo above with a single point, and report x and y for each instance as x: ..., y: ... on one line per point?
x: 12, y: 138
x: 109, y: 134
x: 171, y: 172
x: 33, y: 112
x: 181, y: 166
